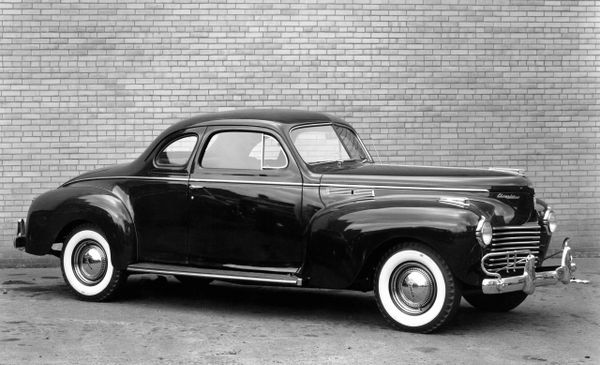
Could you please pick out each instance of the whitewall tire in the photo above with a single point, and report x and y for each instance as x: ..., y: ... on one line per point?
x: 415, y: 288
x: 87, y: 267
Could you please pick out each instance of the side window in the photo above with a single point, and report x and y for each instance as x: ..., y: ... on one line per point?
x: 178, y: 152
x: 243, y: 150
x: 273, y: 155
x: 318, y: 144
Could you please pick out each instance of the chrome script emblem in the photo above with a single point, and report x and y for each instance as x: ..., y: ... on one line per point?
x: 507, y: 196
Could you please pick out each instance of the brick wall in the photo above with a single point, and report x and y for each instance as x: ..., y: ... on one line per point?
x: 84, y: 84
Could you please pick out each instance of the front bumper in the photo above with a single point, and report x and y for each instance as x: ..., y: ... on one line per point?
x: 20, y: 240
x: 530, y: 279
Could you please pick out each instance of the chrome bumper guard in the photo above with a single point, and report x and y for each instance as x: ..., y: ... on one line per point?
x: 20, y: 240
x: 530, y: 279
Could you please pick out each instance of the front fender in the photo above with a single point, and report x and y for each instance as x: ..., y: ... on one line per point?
x: 53, y: 212
x: 342, y: 238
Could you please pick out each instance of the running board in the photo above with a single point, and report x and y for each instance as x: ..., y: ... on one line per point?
x: 283, y: 279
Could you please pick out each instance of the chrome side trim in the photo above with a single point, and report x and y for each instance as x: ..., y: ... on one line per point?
x: 257, y: 182
x: 394, y: 187
x: 279, y: 270
x: 309, y: 185
x: 455, y: 201
x: 157, y: 178
x: 441, y: 167
x: 258, y: 277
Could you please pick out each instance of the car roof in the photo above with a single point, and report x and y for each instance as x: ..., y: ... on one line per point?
x: 282, y: 119
x: 277, y: 116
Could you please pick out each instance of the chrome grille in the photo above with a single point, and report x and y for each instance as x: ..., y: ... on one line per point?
x: 510, y: 246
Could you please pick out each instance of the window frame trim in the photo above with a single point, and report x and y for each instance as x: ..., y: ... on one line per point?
x: 323, y: 124
x: 287, y: 161
x: 262, y: 132
x: 170, y: 141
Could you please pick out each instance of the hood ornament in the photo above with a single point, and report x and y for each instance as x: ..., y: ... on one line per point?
x: 508, y: 169
x: 456, y: 201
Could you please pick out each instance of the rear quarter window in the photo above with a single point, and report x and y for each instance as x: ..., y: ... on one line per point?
x: 178, y: 152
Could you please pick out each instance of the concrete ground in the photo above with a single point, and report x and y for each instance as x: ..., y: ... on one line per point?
x: 160, y: 321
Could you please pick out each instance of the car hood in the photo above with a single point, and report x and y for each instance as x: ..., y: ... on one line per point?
x: 443, y: 178
x: 505, y: 194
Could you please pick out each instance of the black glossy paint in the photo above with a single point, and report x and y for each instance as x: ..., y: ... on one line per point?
x: 343, y: 237
x: 53, y: 214
x: 249, y: 217
x: 320, y: 220
x: 161, y: 207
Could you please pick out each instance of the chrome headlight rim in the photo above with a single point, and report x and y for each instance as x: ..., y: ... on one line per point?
x: 484, y: 232
x: 550, y: 220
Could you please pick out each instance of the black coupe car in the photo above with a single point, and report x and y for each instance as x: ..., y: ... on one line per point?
x: 294, y: 198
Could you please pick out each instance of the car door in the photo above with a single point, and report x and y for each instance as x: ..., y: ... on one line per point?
x: 245, y: 202
x: 159, y: 196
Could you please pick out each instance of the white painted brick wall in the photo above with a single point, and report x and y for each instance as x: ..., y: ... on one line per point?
x: 84, y: 84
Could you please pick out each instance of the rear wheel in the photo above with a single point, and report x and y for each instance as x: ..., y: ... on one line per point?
x: 86, y: 265
x: 496, y: 302
x: 415, y: 288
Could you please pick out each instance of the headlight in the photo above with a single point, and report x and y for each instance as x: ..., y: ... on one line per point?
x: 550, y: 220
x: 484, y: 232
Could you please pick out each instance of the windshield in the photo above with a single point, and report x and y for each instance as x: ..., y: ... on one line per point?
x: 328, y: 143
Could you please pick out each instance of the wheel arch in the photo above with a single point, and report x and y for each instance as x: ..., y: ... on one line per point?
x: 364, y: 279
x: 68, y: 228
x: 346, y: 243
x: 64, y: 232
x: 55, y: 214
x: 448, y: 249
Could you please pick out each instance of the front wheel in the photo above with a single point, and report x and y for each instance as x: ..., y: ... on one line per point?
x: 496, y: 302
x: 86, y: 265
x: 415, y: 289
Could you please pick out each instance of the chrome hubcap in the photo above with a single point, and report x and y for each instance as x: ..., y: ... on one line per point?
x: 412, y: 288
x: 89, y: 262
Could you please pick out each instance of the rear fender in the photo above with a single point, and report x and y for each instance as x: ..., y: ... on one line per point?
x: 343, y: 238
x: 57, y: 211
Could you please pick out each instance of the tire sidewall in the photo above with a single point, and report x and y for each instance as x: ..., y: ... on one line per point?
x: 383, y: 288
x: 80, y: 288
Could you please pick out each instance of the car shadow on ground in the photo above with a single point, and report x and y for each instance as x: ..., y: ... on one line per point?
x: 262, y: 301
x: 340, y: 307
x: 337, y: 306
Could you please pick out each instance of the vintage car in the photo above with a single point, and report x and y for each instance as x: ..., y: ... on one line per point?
x: 294, y: 198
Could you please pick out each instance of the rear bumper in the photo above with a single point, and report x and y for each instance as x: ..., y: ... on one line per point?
x: 530, y: 279
x: 20, y: 239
